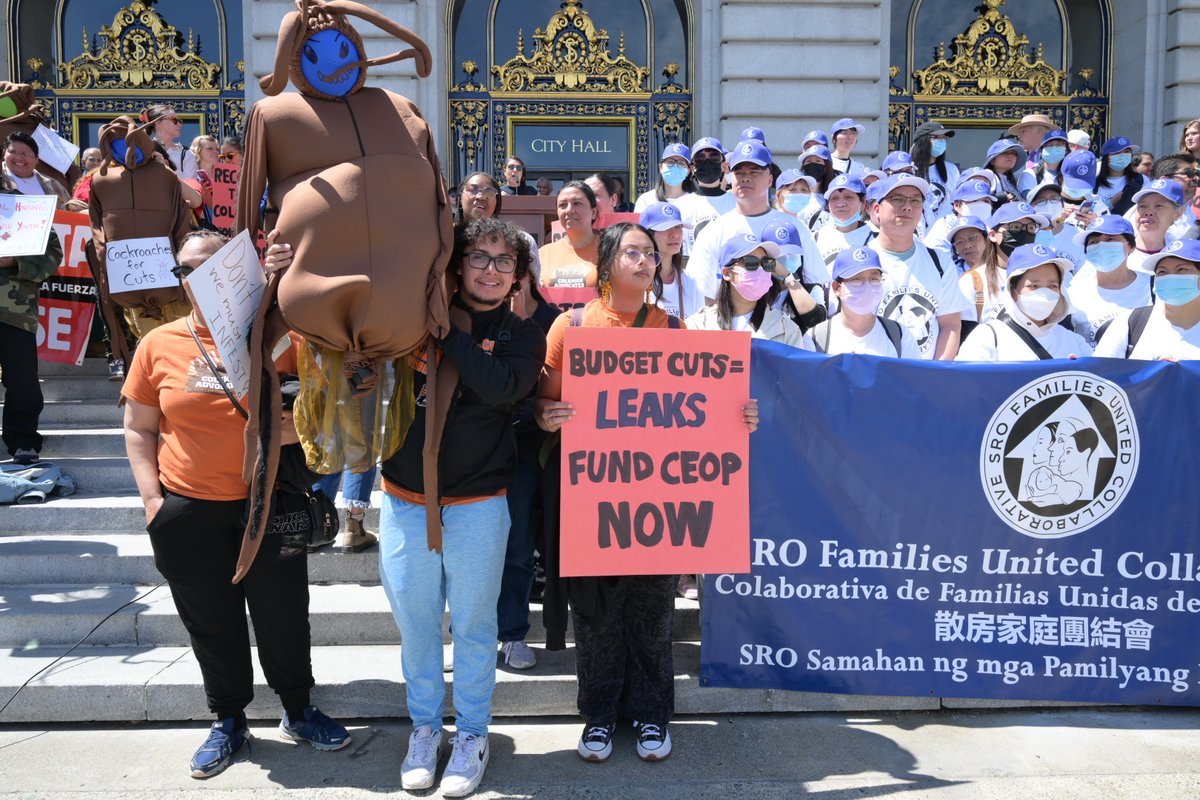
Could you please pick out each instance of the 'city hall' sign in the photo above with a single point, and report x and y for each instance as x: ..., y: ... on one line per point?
x: 572, y: 147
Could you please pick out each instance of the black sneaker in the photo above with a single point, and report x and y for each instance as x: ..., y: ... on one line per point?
x: 225, y: 738
x: 654, y: 743
x: 26, y: 456
x: 596, y: 743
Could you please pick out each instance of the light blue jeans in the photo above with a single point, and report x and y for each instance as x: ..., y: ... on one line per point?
x: 419, y: 585
x: 356, y: 488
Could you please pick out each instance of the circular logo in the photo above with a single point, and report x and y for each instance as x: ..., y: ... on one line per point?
x: 1041, y: 250
x: 1175, y: 245
x: 747, y: 149
x: 859, y: 255
x: 782, y: 234
x: 1158, y: 184
x: 1060, y: 455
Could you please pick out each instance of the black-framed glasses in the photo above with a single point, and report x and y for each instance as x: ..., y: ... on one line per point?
x: 705, y: 155
x: 634, y: 256
x: 1190, y: 174
x: 181, y: 271
x: 1017, y: 227
x: 514, y: 166
x: 477, y: 259
x: 476, y: 191
x: 751, y: 263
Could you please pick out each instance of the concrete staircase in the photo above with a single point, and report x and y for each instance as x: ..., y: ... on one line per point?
x: 67, y: 564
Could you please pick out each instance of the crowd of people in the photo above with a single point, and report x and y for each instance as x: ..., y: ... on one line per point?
x: 1049, y: 246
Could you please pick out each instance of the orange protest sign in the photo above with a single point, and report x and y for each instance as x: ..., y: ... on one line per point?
x: 224, y: 198
x: 655, y: 462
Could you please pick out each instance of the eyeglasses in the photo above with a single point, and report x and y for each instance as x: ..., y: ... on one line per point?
x: 751, y: 263
x: 1190, y: 174
x: 899, y: 201
x: 480, y: 260
x: 181, y: 271
x: 1016, y: 227
x: 705, y: 155
x: 858, y: 283
x: 967, y: 238
x: 635, y: 256
x: 477, y: 191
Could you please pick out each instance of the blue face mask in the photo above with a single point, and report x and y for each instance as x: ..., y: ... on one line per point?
x: 1120, y: 161
x: 1177, y: 290
x: 1054, y: 155
x: 851, y: 220
x: 324, y: 54
x: 791, y: 261
x: 795, y: 203
x: 938, y: 147
x: 673, y: 174
x: 1106, y: 256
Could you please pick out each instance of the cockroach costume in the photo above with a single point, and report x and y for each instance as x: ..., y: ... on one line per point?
x: 355, y: 180
x: 21, y: 111
x: 134, y: 196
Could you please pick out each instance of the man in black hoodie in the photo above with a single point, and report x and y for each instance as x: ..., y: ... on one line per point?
x: 498, y: 358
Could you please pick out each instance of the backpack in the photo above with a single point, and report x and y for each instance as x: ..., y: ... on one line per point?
x: 821, y: 333
x: 1137, y: 324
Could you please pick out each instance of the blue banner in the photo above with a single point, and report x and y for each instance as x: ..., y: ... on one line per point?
x: 1015, y: 531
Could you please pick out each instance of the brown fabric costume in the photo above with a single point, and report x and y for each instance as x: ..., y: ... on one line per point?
x: 29, y: 115
x: 360, y: 198
x: 135, y: 201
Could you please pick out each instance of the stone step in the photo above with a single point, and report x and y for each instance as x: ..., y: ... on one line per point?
x: 98, y: 474
x: 160, y: 684
x: 80, y: 387
x: 90, y: 367
x: 81, y: 414
x: 339, y: 614
x: 83, y: 442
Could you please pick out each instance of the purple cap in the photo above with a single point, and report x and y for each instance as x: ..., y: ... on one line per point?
x: 845, y: 181
x: 1116, y: 145
x: 1164, y: 186
x: 958, y: 223
x: 893, y: 182
x: 818, y: 150
x: 753, y: 134
x: 815, y: 136
x: 972, y: 190
x: 1005, y: 146
x: 1054, y: 135
x: 1187, y: 249
x: 1105, y: 223
x: 790, y: 176
x: 740, y: 244
x: 877, y: 174
x: 1078, y: 172
x: 845, y: 124
x: 676, y: 149
x: 1011, y: 212
x: 662, y: 217
x: 1028, y: 256
x: 897, y: 160
x: 784, y: 234
x: 854, y: 260
x: 749, y: 150
x: 1035, y: 191
x: 708, y: 143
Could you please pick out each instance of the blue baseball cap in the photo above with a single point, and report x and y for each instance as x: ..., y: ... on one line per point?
x: 815, y: 136
x: 1105, y: 223
x: 854, y: 260
x: 750, y: 150
x: 1028, y: 256
x: 818, y: 150
x: 1011, y: 212
x: 972, y: 190
x: 676, y: 149
x: 1004, y: 146
x: 897, y: 160
x: 1035, y: 191
x: 846, y: 181
x: 1078, y: 172
x: 662, y: 217
x: 1053, y: 135
x: 790, y: 176
x: 1187, y: 249
x: 893, y: 182
x: 1164, y: 186
x: 845, y: 124
x: 978, y: 173
x: 876, y: 174
x: 708, y: 143
x: 1116, y: 145
x: 958, y: 223
x: 753, y: 134
x: 784, y: 234
x: 739, y: 244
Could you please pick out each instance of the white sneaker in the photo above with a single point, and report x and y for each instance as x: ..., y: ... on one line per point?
x: 518, y: 655
x: 468, y: 760
x: 654, y: 743
x: 420, y: 765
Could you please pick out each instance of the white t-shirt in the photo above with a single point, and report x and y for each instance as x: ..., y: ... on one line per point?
x: 693, y: 300
x: 1159, y: 338
x: 698, y: 210
x: 915, y: 295
x: 1093, y: 307
x: 831, y: 241
x: 704, y: 264
x: 849, y: 166
x: 993, y: 302
x: 875, y: 343
x: 27, y: 186
x: 997, y: 341
x: 937, y: 202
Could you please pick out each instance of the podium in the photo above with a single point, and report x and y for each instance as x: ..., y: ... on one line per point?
x: 534, y: 213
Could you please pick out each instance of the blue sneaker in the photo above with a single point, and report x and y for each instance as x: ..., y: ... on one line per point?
x: 316, y: 729
x: 224, y: 739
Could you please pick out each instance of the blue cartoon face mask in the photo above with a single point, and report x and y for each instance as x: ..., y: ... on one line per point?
x: 324, y: 54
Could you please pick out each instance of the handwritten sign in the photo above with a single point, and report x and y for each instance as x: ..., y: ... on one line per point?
x: 54, y: 150
x: 67, y: 300
x: 227, y: 288
x: 25, y: 222
x: 224, y: 198
x: 134, y: 264
x: 655, y: 469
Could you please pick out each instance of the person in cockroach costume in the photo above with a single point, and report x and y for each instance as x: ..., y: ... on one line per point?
x: 135, y: 196
x: 21, y: 111
x: 355, y: 190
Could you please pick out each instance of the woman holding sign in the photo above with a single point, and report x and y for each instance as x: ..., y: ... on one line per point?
x: 622, y: 624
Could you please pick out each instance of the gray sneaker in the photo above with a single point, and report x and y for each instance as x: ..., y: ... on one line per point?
x: 420, y: 764
x: 518, y: 655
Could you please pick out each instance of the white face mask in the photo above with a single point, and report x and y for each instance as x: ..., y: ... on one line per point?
x: 1050, y: 208
x: 1038, y: 304
x: 979, y: 208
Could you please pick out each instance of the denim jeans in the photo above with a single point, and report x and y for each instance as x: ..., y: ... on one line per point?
x: 356, y: 489
x: 420, y: 584
x: 512, y: 609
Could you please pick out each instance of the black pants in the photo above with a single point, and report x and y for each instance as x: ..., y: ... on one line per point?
x: 196, y: 545
x: 22, y: 392
x: 623, y: 656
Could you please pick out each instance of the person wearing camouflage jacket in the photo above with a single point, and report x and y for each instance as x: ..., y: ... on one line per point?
x: 20, y: 280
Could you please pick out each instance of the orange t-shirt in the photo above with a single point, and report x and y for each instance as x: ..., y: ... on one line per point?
x: 598, y: 315
x: 200, y: 445
x: 567, y: 268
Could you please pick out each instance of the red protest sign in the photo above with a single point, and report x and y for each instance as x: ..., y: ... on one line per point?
x: 655, y: 462
x: 567, y: 299
x: 67, y: 299
x: 224, y: 198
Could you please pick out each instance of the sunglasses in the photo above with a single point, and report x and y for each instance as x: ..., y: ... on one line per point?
x: 180, y: 271
x: 751, y: 263
x: 703, y: 155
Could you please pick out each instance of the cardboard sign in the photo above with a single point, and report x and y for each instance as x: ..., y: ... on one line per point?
x: 25, y: 222
x: 655, y: 463
x: 135, y: 264
x: 567, y: 299
x: 67, y: 300
x: 227, y: 288
x: 224, y: 198
x: 54, y: 149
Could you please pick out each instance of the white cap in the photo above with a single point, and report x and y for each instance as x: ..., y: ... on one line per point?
x: 1079, y: 138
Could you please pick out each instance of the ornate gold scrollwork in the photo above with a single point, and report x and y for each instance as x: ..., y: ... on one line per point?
x: 571, y: 55
x: 897, y: 123
x: 671, y: 119
x: 989, y: 59
x: 141, y: 50
x: 470, y: 125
